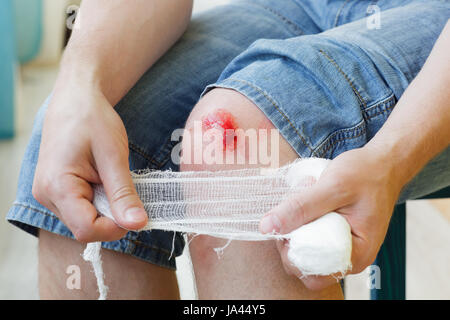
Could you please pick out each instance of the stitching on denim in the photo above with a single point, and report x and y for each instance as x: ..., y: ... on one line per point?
x: 390, y: 101
x: 338, y: 14
x: 17, y: 204
x: 282, y: 17
x: 343, y: 139
x: 135, y: 242
x: 358, y: 95
x: 386, y: 100
x: 333, y: 142
x: 329, y: 142
x: 382, y: 112
x: 276, y: 107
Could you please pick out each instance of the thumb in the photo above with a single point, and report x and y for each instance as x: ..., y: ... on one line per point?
x: 126, y: 206
x: 301, y: 208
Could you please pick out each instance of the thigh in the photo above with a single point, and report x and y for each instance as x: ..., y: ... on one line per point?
x: 333, y: 91
x: 157, y: 105
x: 330, y: 14
x: 63, y: 274
x: 245, y: 269
x: 163, y: 98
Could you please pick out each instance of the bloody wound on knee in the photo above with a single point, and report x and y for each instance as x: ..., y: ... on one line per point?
x: 223, y: 121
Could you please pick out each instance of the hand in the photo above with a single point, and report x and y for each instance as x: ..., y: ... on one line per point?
x: 84, y: 141
x: 357, y: 184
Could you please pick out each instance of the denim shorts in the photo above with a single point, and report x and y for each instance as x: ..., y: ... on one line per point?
x: 326, y: 74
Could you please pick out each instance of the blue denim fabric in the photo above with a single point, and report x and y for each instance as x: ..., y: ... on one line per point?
x: 331, y: 92
x: 160, y: 103
x: 327, y: 92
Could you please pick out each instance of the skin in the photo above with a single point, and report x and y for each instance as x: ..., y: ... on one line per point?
x: 91, y: 81
x: 247, y: 270
x: 224, y: 122
x: 126, y: 277
x: 370, y: 179
x: 93, y: 64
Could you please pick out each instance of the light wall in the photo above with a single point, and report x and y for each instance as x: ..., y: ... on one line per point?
x: 54, y: 28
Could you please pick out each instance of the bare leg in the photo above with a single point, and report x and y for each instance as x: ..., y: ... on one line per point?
x: 247, y: 270
x: 126, y: 277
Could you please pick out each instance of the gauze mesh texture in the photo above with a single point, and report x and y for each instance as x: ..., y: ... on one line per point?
x: 230, y: 204
x: 225, y: 204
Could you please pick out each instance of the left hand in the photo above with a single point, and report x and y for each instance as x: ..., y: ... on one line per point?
x: 358, y: 184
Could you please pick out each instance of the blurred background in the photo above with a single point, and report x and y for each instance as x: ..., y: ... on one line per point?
x: 33, y: 34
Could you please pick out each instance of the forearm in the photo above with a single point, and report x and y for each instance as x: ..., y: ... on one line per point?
x: 419, y: 127
x: 116, y: 41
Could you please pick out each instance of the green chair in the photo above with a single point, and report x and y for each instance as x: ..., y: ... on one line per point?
x: 28, y: 28
x: 391, y: 258
x: 20, y: 34
x: 7, y: 65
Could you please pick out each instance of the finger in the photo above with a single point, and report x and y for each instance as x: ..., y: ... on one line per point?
x: 126, y: 207
x: 303, y: 207
x: 82, y: 219
x: 363, y: 254
x: 312, y: 282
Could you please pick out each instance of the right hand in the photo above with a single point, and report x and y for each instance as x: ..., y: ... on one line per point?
x: 84, y: 141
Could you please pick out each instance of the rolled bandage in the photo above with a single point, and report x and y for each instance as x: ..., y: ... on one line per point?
x: 230, y: 205
x: 323, y: 246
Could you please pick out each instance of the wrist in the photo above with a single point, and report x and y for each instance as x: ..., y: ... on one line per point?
x: 398, y: 160
x: 76, y: 74
x: 79, y: 73
x: 402, y: 153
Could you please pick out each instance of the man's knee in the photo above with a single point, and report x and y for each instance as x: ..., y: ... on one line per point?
x: 226, y: 130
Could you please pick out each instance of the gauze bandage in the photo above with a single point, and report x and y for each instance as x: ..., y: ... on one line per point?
x: 230, y: 204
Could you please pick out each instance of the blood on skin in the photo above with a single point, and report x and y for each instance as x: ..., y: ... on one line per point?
x: 224, y: 121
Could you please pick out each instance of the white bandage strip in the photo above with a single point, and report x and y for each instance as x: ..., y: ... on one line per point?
x: 226, y: 204
x: 230, y: 204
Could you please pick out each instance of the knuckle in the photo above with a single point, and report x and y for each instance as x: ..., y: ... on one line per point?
x: 49, y: 186
x: 82, y: 235
x: 313, y: 284
x: 46, y: 186
x: 122, y: 193
x: 59, y: 186
x: 297, y: 210
x: 283, y: 221
x: 41, y: 190
x: 82, y: 232
x: 36, y: 192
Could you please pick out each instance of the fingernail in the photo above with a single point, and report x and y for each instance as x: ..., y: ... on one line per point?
x: 270, y: 224
x: 135, y: 215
